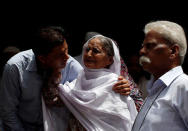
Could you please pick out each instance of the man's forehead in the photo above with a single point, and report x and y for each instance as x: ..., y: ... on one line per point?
x: 59, y: 48
x: 154, y: 37
x: 150, y: 40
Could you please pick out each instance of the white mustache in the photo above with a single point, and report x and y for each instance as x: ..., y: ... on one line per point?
x: 143, y: 59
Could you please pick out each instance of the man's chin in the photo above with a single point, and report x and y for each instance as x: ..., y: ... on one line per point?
x: 58, y: 68
x: 144, y: 65
x: 61, y: 66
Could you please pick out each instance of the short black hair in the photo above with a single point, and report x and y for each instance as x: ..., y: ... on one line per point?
x: 46, y: 38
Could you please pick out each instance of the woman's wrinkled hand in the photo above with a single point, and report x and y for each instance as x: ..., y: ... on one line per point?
x: 122, y: 86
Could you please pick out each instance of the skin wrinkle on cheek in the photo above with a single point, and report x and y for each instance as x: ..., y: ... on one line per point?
x: 160, y: 48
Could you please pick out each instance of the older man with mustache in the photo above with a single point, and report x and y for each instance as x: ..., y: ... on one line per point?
x: 162, y: 54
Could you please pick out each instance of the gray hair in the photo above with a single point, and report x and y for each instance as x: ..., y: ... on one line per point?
x: 172, y: 32
x: 107, y: 45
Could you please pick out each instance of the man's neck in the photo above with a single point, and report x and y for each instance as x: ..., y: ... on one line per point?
x: 157, y: 75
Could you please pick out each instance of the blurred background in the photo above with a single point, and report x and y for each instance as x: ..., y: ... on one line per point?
x: 126, y: 30
x: 123, y: 22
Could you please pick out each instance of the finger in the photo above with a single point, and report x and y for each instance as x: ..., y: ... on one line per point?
x: 125, y: 94
x: 121, y: 86
x: 124, y: 90
x: 121, y: 78
x: 122, y: 82
x: 121, y: 89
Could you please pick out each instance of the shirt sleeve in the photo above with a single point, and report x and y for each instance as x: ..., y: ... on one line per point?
x: 9, y: 98
x: 75, y: 68
x: 179, y: 101
x: 71, y: 70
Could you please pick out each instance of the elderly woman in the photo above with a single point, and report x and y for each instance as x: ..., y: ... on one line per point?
x: 90, y: 98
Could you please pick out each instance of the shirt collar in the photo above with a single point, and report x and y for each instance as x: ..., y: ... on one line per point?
x: 164, y: 81
x: 169, y: 76
x: 32, y: 66
x: 154, y: 86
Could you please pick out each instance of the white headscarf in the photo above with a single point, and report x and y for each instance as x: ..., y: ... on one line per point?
x: 91, y: 99
x: 115, y: 67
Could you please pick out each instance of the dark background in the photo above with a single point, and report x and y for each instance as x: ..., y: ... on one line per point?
x: 122, y: 22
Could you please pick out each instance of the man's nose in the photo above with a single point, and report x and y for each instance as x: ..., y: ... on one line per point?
x: 142, y: 51
x: 66, y: 57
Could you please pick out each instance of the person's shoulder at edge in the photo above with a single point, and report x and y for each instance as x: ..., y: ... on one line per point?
x: 73, y: 63
x: 21, y: 58
x: 182, y: 82
x: 71, y: 70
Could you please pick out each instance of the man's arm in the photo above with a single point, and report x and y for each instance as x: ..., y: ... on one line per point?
x: 179, y: 101
x: 9, y: 98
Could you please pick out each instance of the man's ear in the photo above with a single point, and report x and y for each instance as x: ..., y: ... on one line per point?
x: 174, y: 51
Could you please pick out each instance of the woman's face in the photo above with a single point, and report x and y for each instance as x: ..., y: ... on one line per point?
x: 95, y: 57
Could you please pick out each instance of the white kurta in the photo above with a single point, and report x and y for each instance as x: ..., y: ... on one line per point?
x: 99, y: 108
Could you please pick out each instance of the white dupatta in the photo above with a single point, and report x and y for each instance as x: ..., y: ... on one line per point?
x: 91, y: 100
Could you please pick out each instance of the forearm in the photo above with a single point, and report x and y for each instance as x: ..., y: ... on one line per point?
x: 10, y: 99
x: 10, y: 121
